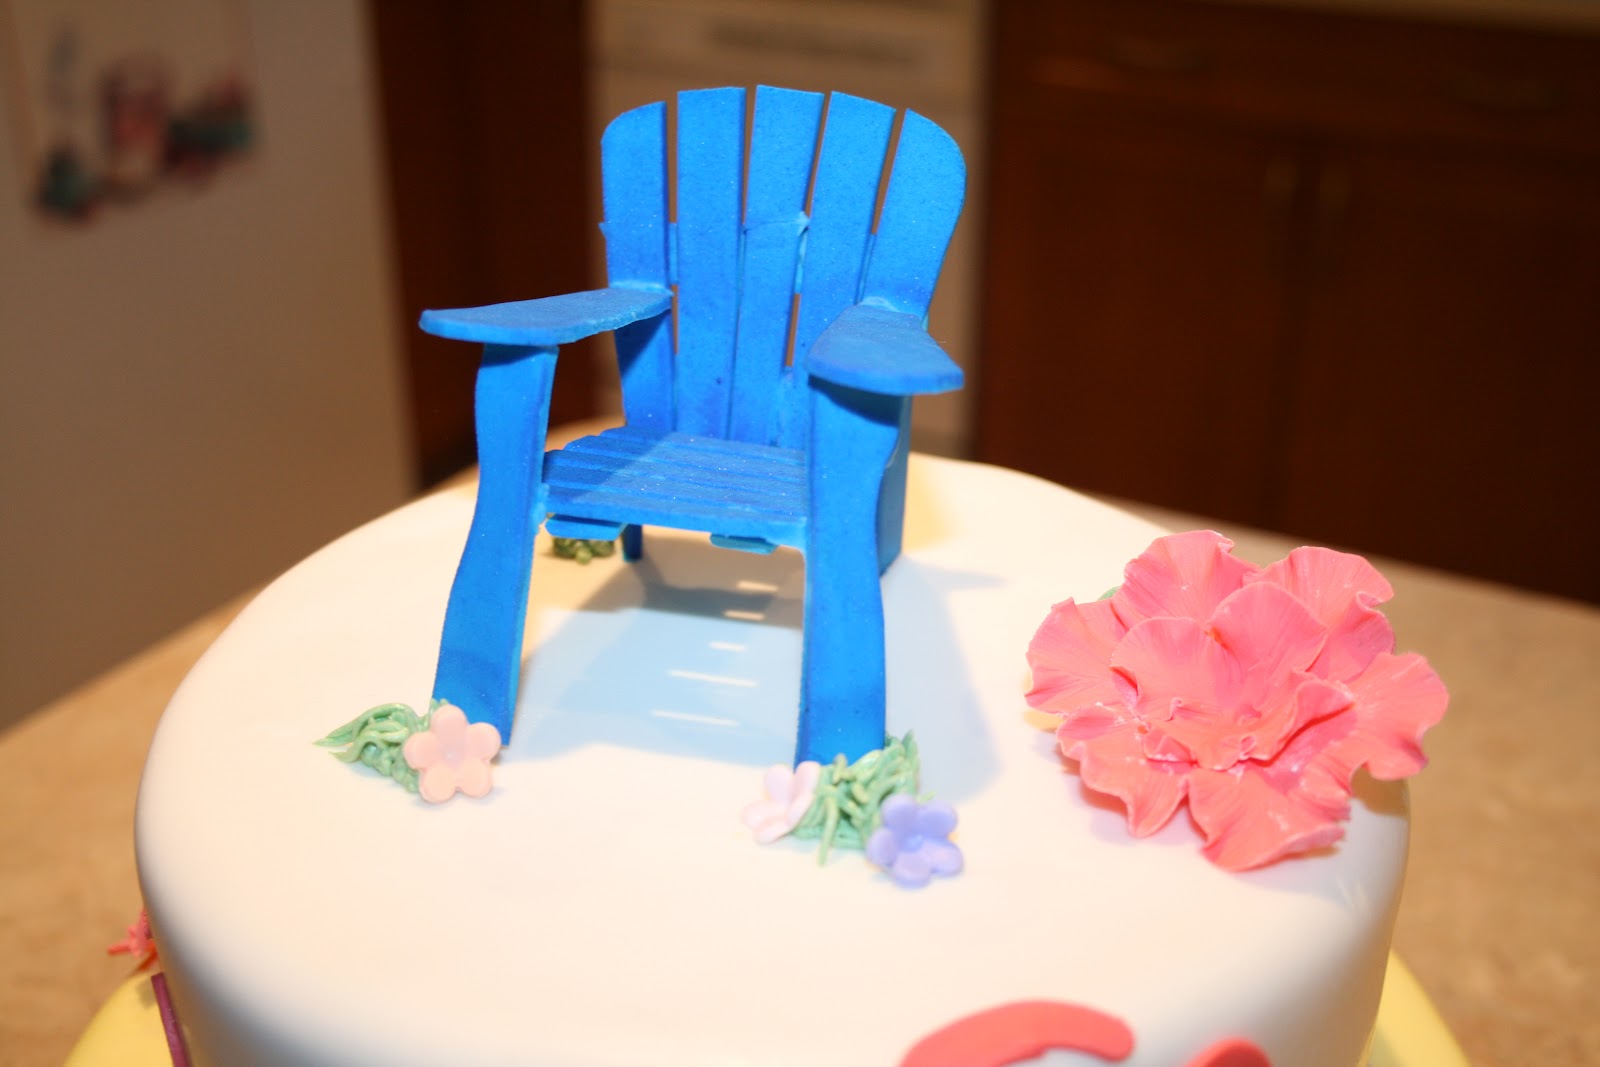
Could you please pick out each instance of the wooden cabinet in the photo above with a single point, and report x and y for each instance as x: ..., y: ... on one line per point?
x: 1329, y: 275
x: 485, y: 126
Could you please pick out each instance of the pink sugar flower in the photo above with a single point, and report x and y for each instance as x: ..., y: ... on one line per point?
x: 452, y: 754
x: 139, y: 943
x: 1252, y: 694
x: 789, y: 796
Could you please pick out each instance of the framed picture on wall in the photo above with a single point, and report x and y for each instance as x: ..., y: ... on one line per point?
x: 116, y: 100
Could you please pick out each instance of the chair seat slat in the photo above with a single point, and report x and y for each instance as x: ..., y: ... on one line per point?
x: 780, y: 526
x: 636, y: 441
x: 737, y: 480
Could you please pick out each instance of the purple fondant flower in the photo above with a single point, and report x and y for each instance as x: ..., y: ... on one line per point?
x: 913, y: 844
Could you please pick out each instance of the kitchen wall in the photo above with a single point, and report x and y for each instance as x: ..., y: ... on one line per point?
x: 198, y: 389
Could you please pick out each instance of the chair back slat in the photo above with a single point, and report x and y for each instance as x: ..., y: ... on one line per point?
x: 855, y: 139
x: 741, y: 249
x: 710, y: 193
x: 783, y: 143
x: 633, y: 154
x: 920, y: 209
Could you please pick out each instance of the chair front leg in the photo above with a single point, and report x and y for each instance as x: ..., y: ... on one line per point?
x: 480, y: 652
x: 842, y: 692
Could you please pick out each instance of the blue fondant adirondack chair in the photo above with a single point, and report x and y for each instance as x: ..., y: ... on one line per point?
x: 731, y: 429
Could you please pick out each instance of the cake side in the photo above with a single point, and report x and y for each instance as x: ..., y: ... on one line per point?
x: 310, y: 914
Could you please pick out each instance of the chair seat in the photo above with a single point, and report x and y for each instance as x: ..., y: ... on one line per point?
x: 733, y: 489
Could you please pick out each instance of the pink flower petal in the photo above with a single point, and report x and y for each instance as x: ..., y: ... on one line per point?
x: 771, y: 830
x: 1091, y: 720
x: 1251, y: 817
x: 1397, y: 699
x: 437, y: 783
x: 1115, y: 764
x: 422, y: 750
x: 474, y: 778
x: 778, y: 782
x: 1342, y: 591
x: 796, y: 810
x: 449, y: 724
x: 806, y: 777
x: 1068, y: 656
x: 761, y: 812
x: 1309, y: 699
x: 1272, y: 634
x: 1185, y: 575
x: 482, y: 741
x: 1175, y: 661
x: 1326, y: 581
x: 1196, y: 737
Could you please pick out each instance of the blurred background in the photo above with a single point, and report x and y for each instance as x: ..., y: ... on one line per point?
x: 1325, y: 267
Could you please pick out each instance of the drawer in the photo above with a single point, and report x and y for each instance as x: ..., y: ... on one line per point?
x: 891, y: 50
x: 1367, y: 75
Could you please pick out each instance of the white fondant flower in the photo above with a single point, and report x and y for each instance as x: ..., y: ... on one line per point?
x: 789, y: 794
x: 452, y: 754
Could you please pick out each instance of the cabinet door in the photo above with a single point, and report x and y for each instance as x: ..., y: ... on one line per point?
x: 1445, y: 406
x: 490, y: 166
x: 1134, y: 312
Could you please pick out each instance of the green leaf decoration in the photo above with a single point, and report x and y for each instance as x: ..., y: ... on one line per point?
x: 581, y: 549
x: 845, y: 810
x: 376, y: 737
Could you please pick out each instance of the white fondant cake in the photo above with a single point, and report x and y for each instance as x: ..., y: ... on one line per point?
x: 604, y: 905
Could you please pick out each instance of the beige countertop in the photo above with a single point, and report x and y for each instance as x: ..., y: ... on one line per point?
x: 1498, y: 920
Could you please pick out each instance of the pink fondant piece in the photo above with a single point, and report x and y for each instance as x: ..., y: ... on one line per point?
x: 1265, y: 627
x: 1231, y: 1052
x: 1185, y: 574
x: 1069, y: 653
x: 452, y: 754
x: 1255, y: 696
x: 1342, y: 591
x: 1115, y: 763
x: 1174, y: 659
x: 1022, y: 1030
x: 1249, y: 819
x: 172, y: 1030
x: 139, y: 943
x: 789, y: 794
x: 1400, y: 697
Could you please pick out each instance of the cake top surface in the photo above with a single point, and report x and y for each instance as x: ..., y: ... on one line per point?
x: 608, y: 875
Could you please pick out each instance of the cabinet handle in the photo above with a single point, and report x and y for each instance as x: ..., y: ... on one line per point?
x: 1505, y: 95
x: 1153, y: 55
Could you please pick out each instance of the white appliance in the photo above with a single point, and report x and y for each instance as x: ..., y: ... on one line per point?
x: 926, y: 55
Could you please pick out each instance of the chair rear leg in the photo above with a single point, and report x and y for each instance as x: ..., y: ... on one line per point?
x: 892, y: 497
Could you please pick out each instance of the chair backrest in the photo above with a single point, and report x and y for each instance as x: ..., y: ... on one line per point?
x: 750, y: 236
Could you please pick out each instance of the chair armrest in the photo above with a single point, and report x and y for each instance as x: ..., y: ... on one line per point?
x: 882, y: 351
x: 553, y: 320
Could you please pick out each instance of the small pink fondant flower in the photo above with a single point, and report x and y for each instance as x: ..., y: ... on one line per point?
x: 138, y: 943
x: 789, y: 795
x: 452, y: 754
x: 1254, y: 695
